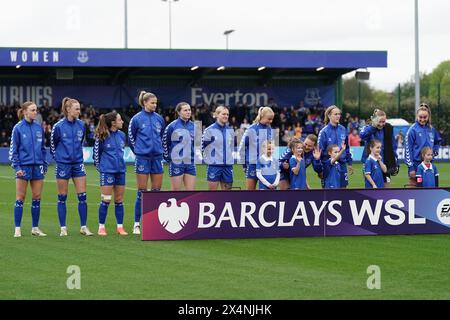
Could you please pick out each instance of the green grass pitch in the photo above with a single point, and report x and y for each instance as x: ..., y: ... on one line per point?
x: 113, y: 267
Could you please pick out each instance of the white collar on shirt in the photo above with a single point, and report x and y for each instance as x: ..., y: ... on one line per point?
x: 373, y: 158
x: 425, y: 167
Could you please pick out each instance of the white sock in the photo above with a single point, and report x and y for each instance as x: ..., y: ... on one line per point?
x: 120, y: 226
x: 64, y: 228
x: 17, y: 229
x: 83, y: 227
x: 101, y: 225
x: 137, y: 224
x: 34, y: 228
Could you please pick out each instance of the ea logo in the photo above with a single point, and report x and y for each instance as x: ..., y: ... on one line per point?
x: 443, y: 211
x: 173, y: 218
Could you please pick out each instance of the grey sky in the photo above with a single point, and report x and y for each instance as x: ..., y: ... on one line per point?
x: 259, y: 24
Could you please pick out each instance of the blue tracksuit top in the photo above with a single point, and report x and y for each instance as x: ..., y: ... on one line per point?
x: 145, y: 133
x: 179, y: 134
x: 217, y: 145
x: 331, y: 174
x: 334, y: 135
x: 108, y: 153
x: 372, y: 167
x: 298, y: 181
x: 252, y: 140
x: 416, y: 139
x: 428, y: 175
x: 66, y: 141
x: 369, y: 133
x: 27, y: 145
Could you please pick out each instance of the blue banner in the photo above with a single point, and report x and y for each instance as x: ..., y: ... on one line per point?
x: 122, y: 96
x: 58, y: 57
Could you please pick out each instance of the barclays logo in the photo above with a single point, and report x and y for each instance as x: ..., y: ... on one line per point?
x: 173, y: 218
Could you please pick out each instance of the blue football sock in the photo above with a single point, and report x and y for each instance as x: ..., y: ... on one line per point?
x: 18, y: 211
x: 82, y: 208
x: 62, y: 210
x: 102, y: 212
x: 35, y: 212
x: 137, y: 206
x: 119, y: 212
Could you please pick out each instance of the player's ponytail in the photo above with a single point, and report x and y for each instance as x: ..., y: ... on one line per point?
x: 262, y: 113
x: 104, y: 125
x: 23, y: 108
x: 66, y: 104
x: 144, y: 96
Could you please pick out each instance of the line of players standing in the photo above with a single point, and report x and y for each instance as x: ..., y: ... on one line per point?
x: 152, y: 142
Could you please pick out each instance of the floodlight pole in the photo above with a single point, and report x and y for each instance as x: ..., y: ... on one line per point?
x: 416, y: 36
x: 170, y: 21
x: 126, y: 24
x: 227, y: 33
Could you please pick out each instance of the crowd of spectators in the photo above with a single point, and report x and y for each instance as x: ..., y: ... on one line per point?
x: 298, y: 121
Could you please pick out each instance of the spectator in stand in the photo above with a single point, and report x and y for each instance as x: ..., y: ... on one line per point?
x: 4, y: 139
x: 47, y: 134
x: 346, y: 122
x: 354, y: 124
x: 298, y: 131
x: 245, y: 124
x: 354, y: 140
x: 310, y: 124
x: 400, y: 137
x: 302, y: 112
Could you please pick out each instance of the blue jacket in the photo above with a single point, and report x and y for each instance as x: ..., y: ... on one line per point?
x: 369, y: 133
x: 298, y: 181
x: 308, y: 157
x: 217, y: 145
x: 416, y: 139
x: 27, y: 145
x: 66, y: 141
x: 334, y: 135
x: 428, y: 175
x: 251, y: 141
x: 108, y: 153
x: 331, y: 174
x: 179, y: 134
x: 145, y: 133
x: 372, y: 167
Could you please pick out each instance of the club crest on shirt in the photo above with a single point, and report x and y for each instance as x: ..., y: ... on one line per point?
x: 158, y: 127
